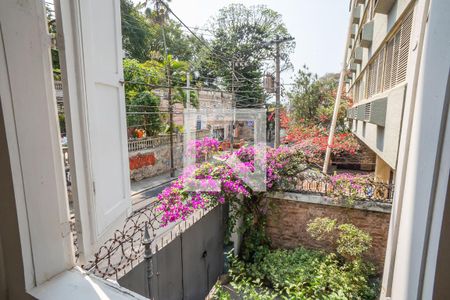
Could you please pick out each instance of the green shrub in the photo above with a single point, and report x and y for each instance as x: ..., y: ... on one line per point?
x: 322, y: 228
x: 302, y: 274
x: 348, y: 240
x: 352, y: 242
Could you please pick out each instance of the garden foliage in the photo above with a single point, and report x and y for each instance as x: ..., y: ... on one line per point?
x: 301, y: 274
x: 259, y: 272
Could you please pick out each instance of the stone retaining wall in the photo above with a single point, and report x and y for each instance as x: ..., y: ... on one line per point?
x: 149, y: 157
x: 288, y: 221
x: 156, y: 161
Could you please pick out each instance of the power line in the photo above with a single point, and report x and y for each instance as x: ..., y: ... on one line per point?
x: 202, y: 41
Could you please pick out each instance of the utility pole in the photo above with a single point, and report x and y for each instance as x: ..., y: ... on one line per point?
x: 233, y: 104
x: 188, y: 90
x: 277, y: 93
x: 169, y: 95
x: 337, y: 104
x: 277, y: 43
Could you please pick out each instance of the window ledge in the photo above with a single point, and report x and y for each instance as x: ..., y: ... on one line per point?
x: 77, y: 284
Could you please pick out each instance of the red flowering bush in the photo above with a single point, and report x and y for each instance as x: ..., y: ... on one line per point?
x: 313, y: 140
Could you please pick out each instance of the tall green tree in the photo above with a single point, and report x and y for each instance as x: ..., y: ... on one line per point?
x: 175, y: 71
x: 312, y: 98
x: 136, y: 32
x: 142, y: 103
x: 241, y: 35
x: 142, y: 31
x: 142, y: 79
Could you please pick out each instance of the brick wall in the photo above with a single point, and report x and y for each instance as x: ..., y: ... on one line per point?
x: 288, y: 220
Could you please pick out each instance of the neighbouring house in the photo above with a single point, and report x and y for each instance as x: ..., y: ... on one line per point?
x: 207, y: 99
x: 379, y: 44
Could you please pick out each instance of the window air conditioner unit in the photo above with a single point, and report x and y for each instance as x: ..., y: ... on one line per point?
x: 353, y: 67
x: 357, y: 11
x: 367, y: 35
x: 378, y: 112
x: 358, y: 55
x: 351, y: 113
x: 360, y: 113
x: 383, y: 6
x: 354, y: 30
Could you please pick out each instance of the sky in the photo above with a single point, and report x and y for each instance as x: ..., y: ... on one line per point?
x: 318, y: 26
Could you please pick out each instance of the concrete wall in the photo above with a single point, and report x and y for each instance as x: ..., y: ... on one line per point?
x: 288, y: 221
x: 384, y: 140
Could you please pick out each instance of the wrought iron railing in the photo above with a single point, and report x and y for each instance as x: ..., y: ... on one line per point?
x: 125, y: 249
x: 363, y: 191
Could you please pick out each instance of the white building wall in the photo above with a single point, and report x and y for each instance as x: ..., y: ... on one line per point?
x: 382, y: 140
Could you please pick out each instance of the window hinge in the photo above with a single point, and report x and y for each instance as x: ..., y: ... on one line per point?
x: 93, y: 186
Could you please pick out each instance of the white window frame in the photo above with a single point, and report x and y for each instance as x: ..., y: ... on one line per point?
x: 31, y: 125
x: 77, y: 92
x: 27, y: 99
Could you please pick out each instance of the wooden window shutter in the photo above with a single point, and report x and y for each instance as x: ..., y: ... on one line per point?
x: 368, y: 81
x: 105, y: 189
x: 380, y: 71
x: 405, y: 38
x: 395, y: 59
x: 106, y: 113
x: 374, y: 68
x: 388, y: 65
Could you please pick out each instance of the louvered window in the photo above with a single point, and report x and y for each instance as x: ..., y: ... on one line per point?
x: 405, y: 39
x: 380, y: 71
x: 397, y: 51
x: 357, y: 88
x: 375, y: 75
x: 395, y: 59
x: 388, y: 66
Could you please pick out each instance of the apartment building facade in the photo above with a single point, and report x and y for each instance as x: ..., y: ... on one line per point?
x: 379, y: 44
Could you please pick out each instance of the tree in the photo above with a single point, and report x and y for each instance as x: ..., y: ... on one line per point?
x: 143, y: 34
x: 141, y: 81
x: 136, y: 32
x: 142, y: 104
x: 312, y: 99
x: 240, y: 35
x: 177, y: 70
x: 143, y: 112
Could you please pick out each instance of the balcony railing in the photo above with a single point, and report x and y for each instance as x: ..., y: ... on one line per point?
x: 125, y: 249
